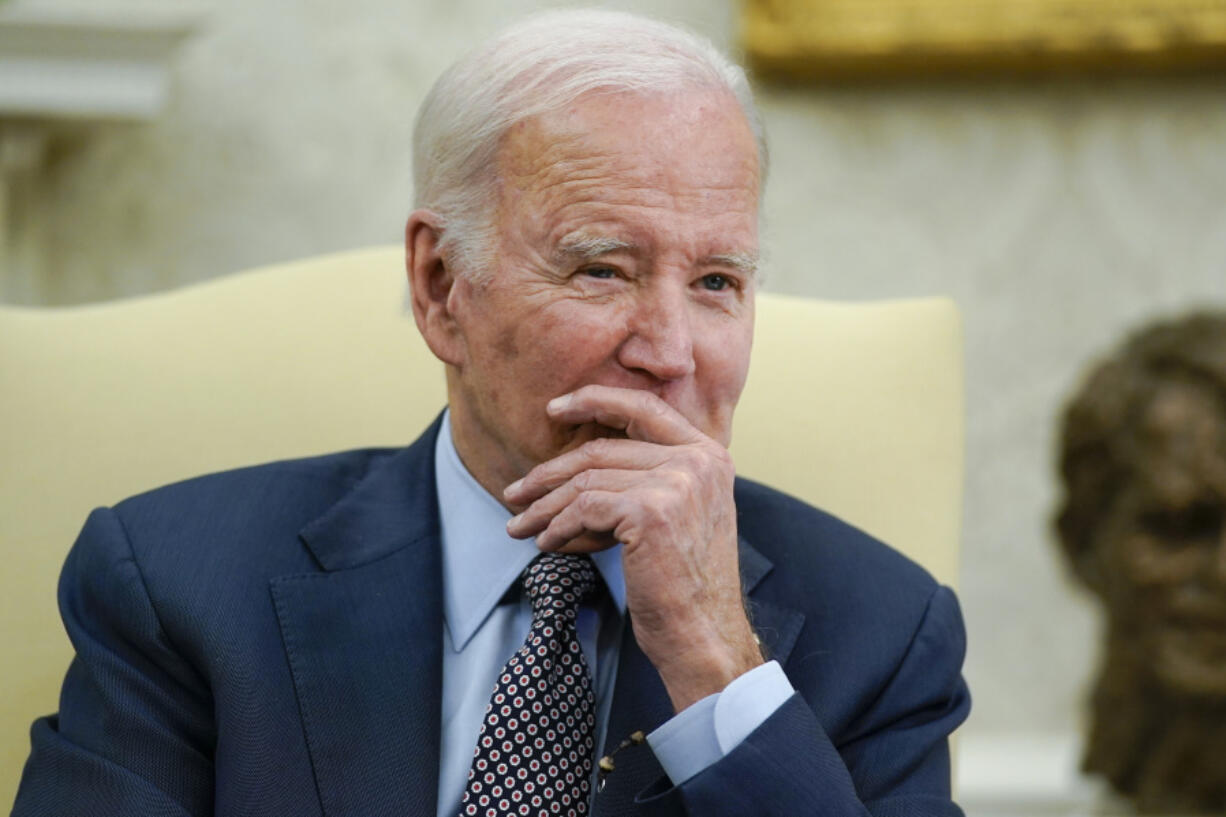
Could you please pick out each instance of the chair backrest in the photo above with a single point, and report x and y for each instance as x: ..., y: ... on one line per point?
x: 854, y: 407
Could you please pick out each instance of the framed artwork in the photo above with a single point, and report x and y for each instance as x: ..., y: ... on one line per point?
x: 866, y: 39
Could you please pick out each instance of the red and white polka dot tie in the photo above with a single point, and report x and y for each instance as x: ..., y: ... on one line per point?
x: 534, y: 754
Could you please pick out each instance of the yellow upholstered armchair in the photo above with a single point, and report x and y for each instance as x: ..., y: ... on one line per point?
x: 854, y: 407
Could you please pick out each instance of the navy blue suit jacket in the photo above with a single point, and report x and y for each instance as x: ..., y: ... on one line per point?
x: 267, y: 642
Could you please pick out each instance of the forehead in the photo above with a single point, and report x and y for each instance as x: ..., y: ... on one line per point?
x: 1181, y: 452
x: 689, y: 150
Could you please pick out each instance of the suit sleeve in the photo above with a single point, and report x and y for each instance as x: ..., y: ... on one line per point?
x: 892, y: 761
x: 134, y: 733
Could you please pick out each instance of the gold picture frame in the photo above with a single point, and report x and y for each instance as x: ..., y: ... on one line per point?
x: 865, y: 39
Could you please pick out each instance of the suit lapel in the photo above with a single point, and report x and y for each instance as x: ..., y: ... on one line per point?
x: 363, y: 640
x: 640, y: 701
x: 777, y: 627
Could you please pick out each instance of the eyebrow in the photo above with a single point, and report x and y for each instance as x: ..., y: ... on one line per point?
x: 588, y: 247
x: 746, y: 262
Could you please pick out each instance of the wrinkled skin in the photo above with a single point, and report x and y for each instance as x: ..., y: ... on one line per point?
x: 593, y: 376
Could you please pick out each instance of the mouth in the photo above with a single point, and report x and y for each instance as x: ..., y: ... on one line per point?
x: 570, y: 436
x: 1195, y: 609
x: 577, y: 435
x: 1191, y: 638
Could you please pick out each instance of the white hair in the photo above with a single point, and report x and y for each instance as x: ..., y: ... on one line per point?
x: 540, y: 65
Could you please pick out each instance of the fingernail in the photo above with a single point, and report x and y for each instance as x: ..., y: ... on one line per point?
x: 512, y: 488
x: 559, y: 403
x: 514, y: 520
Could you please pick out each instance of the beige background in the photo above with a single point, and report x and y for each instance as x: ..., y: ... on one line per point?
x: 1057, y: 213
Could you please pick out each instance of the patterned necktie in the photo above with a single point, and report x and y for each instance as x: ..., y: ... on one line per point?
x: 534, y: 753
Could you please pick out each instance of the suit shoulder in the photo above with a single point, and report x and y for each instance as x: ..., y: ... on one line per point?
x: 335, y: 472
x: 246, y: 504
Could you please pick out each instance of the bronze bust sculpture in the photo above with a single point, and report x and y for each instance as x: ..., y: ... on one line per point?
x: 1143, y: 524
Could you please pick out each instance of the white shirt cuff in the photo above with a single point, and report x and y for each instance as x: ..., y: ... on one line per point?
x: 707, y: 730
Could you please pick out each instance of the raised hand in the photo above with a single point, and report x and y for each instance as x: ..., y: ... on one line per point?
x: 665, y: 493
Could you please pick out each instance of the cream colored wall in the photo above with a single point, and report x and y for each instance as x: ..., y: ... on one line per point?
x: 1058, y: 214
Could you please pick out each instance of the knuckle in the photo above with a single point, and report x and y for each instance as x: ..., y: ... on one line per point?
x: 694, y: 458
x: 657, y: 510
x: 597, y: 450
x: 681, y: 480
x: 584, y: 503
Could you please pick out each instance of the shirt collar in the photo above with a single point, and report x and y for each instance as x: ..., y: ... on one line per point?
x: 480, y: 560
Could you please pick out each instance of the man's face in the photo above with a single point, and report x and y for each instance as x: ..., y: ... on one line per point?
x: 627, y: 235
x: 1163, y: 544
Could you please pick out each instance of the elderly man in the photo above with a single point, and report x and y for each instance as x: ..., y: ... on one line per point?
x: 565, y: 560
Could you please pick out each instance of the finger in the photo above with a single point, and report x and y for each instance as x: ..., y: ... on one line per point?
x: 643, y: 415
x: 589, y: 543
x: 599, y: 454
x: 591, y: 512
x: 538, y: 515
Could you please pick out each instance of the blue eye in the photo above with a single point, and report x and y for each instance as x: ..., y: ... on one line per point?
x: 600, y: 272
x: 716, y: 282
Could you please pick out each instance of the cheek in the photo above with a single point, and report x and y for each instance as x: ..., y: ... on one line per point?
x: 1141, y: 559
x: 722, y: 360
x: 724, y: 354
x: 506, y: 344
x: 1151, y: 564
x: 575, y: 339
x: 738, y: 364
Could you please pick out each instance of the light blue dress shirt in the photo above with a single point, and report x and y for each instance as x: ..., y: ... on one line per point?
x: 483, y: 626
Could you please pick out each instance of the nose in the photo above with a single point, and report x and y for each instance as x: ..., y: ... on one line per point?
x: 660, y: 340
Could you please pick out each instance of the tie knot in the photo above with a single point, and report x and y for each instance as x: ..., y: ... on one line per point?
x: 557, y: 582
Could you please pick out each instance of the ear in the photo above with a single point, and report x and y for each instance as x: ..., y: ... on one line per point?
x: 430, y: 283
